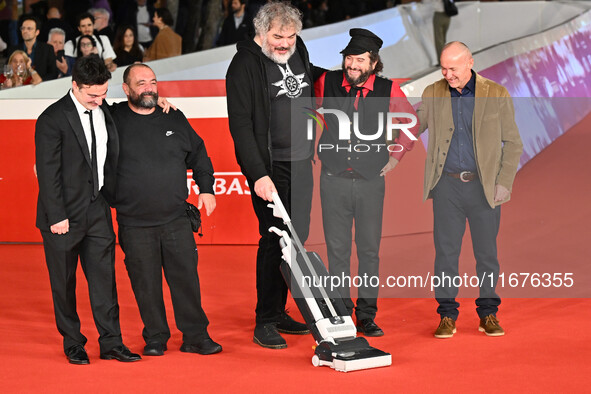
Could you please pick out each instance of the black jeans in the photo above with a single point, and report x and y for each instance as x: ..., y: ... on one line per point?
x: 294, y: 183
x: 149, y: 250
x: 455, y: 201
x: 347, y: 202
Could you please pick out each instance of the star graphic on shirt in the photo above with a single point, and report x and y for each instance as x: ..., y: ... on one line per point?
x: 291, y: 84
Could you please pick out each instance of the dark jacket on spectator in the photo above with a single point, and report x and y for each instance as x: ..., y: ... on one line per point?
x: 125, y: 58
x: 107, y: 31
x: 231, y: 35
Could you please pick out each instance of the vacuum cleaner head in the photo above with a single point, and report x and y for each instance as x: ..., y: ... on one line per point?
x: 323, y: 309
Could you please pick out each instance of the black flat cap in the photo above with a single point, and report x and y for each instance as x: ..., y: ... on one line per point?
x: 362, y: 41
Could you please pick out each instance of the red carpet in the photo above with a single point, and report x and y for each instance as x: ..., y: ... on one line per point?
x: 546, y: 349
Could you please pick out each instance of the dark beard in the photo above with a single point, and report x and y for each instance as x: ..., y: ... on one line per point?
x: 144, y: 100
x: 359, y: 80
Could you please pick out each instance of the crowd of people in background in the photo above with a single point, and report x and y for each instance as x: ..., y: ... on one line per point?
x: 41, y: 40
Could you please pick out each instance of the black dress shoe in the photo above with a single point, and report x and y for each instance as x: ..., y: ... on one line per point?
x: 267, y: 336
x: 77, y: 355
x: 206, y: 346
x: 155, y: 349
x: 120, y: 353
x: 287, y: 325
x: 369, y: 328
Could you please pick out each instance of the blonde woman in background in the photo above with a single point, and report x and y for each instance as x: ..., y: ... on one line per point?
x: 18, y: 71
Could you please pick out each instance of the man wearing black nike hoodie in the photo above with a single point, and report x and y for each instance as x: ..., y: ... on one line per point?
x: 272, y: 148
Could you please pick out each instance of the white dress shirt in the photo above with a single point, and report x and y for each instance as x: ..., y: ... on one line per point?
x: 100, y: 131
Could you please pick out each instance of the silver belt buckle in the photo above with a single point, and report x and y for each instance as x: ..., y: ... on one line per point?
x: 462, y: 176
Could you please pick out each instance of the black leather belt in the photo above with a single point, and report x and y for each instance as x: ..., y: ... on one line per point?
x: 348, y: 174
x: 464, y: 176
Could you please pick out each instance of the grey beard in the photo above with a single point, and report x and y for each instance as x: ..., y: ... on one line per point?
x: 279, y: 59
x: 144, y: 100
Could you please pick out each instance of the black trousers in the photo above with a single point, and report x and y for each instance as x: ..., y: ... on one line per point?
x: 170, y: 247
x: 347, y: 202
x: 454, y: 202
x: 93, y: 240
x: 294, y: 183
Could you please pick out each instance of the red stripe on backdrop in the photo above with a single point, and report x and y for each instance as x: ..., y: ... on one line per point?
x: 204, y: 88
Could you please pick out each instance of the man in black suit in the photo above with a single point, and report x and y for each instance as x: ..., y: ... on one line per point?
x: 41, y: 53
x: 77, y: 146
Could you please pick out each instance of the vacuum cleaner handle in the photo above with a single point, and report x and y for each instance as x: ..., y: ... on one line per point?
x: 279, y: 210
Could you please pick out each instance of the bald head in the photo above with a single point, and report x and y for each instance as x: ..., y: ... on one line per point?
x: 53, y: 13
x: 456, y: 48
x: 456, y: 64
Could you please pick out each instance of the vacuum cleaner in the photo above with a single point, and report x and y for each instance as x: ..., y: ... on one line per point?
x: 322, y: 307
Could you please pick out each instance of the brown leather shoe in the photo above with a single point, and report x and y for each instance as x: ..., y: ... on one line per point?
x: 490, y: 326
x: 446, y: 329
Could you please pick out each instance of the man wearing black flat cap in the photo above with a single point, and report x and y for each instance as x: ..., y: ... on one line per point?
x: 352, y: 184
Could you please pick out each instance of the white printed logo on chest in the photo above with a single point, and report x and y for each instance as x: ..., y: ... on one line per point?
x: 291, y: 85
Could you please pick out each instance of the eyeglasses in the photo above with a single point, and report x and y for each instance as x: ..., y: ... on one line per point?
x: 86, y: 44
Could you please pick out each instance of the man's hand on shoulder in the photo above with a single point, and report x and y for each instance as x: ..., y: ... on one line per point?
x: 264, y: 188
x: 61, y: 227
x: 165, y: 105
x: 207, y: 200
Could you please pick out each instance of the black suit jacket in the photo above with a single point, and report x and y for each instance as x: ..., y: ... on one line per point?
x: 64, y: 169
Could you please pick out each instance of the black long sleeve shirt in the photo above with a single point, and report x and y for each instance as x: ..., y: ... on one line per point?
x: 155, y: 152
